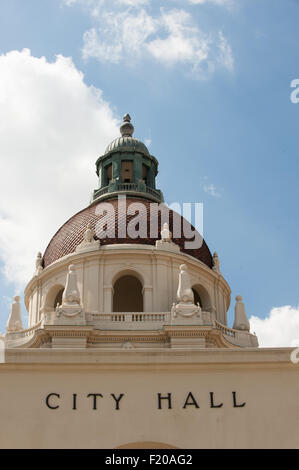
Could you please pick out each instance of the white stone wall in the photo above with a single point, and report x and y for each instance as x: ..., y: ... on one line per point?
x: 265, y: 380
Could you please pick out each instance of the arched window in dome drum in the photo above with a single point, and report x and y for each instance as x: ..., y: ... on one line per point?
x: 53, y: 297
x: 197, y: 299
x: 202, y: 296
x: 58, y: 298
x: 127, y: 295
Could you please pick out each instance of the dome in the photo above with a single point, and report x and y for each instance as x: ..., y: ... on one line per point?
x: 127, y: 144
x: 71, y: 234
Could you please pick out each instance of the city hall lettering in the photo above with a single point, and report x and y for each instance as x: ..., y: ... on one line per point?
x: 115, y: 401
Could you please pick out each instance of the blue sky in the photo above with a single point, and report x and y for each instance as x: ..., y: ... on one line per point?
x: 208, y: 83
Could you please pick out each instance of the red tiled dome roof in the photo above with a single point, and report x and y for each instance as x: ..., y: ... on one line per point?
x: 71, y: 234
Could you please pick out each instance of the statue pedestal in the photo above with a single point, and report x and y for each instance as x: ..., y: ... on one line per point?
x: 86, y: 247
x: 167, y: 246
x: 65, y: 315
x: 186, y: 313
x: 68, y: 337
x: 187, y: 336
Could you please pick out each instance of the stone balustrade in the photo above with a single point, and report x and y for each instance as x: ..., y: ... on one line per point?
x: 238, y: 338
x: 127, y: 187
x: 130, y: 321
x: 17, y: 338
x: 225, y: 330
x: 125, y: 320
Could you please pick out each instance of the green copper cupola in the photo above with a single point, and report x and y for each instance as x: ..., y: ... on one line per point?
x: 127, y: 167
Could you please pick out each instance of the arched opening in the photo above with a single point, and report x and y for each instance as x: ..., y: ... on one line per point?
x: 53, y: 297
x: 127, y: 296
x: 145, y: 174
x: 127, y: 171
x: 109, y: 173
x: 197, y: 299
x: 58, y: 298
x: 202, y: 296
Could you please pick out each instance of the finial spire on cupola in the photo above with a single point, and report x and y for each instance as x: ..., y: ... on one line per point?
x: 127, y: 129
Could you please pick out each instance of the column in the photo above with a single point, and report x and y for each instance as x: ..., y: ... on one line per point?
x: 108, y: 299
x: 147, y: 293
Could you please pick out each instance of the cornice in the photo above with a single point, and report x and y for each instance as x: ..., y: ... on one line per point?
x: 94, y: 337
x: 151, y: 358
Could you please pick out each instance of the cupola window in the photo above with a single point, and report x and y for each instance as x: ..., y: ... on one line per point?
x: 126, y: 171
x: 145, y: 174
x: 127, y: 295
x: 109, y: 173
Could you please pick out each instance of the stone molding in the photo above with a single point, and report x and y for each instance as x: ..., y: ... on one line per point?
x: 169, y: 336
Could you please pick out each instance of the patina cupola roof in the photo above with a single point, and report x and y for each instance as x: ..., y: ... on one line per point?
x: 127, y: 167
x: 127, y: 143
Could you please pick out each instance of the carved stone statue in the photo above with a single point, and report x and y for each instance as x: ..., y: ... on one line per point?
x: 14, y: 322
x: 184, y: 292
x: 71, y: 302
x: 38, y: 263
x: 216, y: 263
x: 88, y: 243
x: 89, y: 234
x: 166, y: 242
x: 241, y: 321
x: 185, y: 308
x: 166, y: 235
x: 71, y: 295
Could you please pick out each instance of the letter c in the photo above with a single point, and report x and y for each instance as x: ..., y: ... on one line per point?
x: 48, y: 399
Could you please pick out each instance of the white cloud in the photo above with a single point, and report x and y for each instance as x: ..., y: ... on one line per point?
x: 95, y: 6
x: 209, y: 188
x: 170, y: 38
x: 127, y: 31
x: 52, y: 128
x: 121, y: 35
x: 133, y: 2
x: 229, y: 4
x: 216, y: 2
x: 279, y: 329
x: 226, y: 58
x: 184, y: 41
